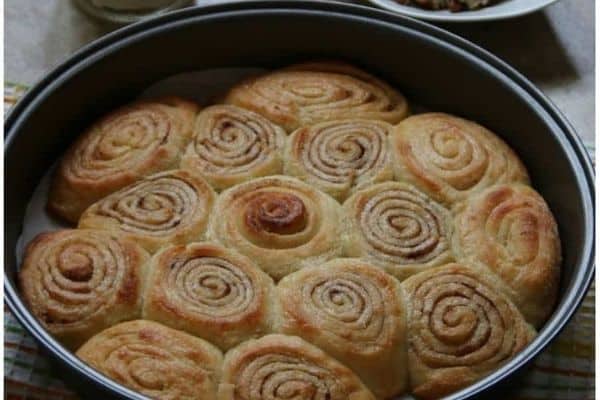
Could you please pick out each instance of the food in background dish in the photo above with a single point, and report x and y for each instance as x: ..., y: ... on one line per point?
x: 452, y: 5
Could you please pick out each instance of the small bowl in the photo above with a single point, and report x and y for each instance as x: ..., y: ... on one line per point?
x: 501, y: 9
x: 432, y: 67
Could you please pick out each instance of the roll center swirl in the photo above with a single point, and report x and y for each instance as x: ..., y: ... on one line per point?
x: 76, y: 266
x: 148, y: 378
x: 280, y: 213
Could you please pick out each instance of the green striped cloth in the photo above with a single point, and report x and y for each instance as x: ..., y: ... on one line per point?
x: 565, y: 371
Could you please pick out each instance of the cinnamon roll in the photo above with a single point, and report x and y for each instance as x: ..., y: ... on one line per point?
x: 397, y: 227
x: 340, y: 157
x: 510, y: 229
x: 281, y: 223
x: 310, y: 93
x: 78, y: 282
x: 355, y: 312
x: 211, y: 292
x: 286, y: 367
x: 157, y: 361
x: 132, y: 142
x: 171, y: 207
x: 450, y: 158
x: 460, y: 328
x: 232, y: 145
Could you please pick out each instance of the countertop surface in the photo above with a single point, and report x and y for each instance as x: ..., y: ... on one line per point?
x: 554, y: 47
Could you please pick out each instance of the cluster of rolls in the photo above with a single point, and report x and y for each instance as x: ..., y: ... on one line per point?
x: 305, y: 239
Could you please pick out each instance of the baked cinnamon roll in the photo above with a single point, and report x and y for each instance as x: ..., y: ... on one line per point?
x: 159, y: 362
x: 450, y: 158
x: 286, y: 367
x: 280, y: 223
x: 397, y: 227
x: 355, y: 312
x: 340, y: 157
x: 78, y: 282
x: 132, y: 142
x: 210, y: 292
x: 171, y: 207
x: 232, y: 145
x: 510, y: 229
x: 309, y: 93
x: 460, y: 328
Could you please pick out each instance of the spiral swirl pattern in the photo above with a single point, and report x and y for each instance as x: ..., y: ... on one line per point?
x: 354, y: 312
x: 459, y: 320
x: 311, y: 93
x: 286, y: 367
x: 169, y: 207
x: 78, y: 282
x: 399, y: 228
x: 209, y: 291
x: 450, y: 158
x: 340, y: 156
x: 132, y: 142
x: 232, y: 145
x: 279, y: 222
x: 510, y: 229
x: 157, y: 361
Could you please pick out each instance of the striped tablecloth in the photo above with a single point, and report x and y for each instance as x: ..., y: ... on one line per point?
x: 565, y: 371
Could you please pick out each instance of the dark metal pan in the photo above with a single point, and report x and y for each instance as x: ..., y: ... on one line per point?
x: 432, y: 67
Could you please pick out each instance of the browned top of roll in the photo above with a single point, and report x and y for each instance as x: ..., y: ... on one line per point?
x: 309, y: 93
x: 510, y: 229
x: 128, y: 138
x: 132, y: 142
x: 450, y: 158
x: 157, y: 361
x: 209, y: 291
x: 284, y: 367
x: 279, y: 222
x: 340, y: 156
x: 168, y: 207
x: 77, y: 282
x: 396, y: 226
x: 460, y: 327
x: 232, y: 145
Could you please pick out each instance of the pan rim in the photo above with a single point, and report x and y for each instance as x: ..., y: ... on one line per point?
x: 105, y: 46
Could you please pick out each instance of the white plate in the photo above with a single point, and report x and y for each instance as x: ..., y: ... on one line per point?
x: 501, y: 10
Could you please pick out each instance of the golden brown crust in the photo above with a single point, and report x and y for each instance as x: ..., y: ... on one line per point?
x: 284, y: 367
x: 211, y: 292
x: 232, y: 145
x: 460, y: 328
x: 134, y: 141
x: 397, y: 227
x: 155, y: 360
x: 510, y: 229
x: 78, y: 282
x: 310, y: 93
x: 279, y: 222
x: 450, y: 158
x: 355, y: 312
x: 170, y: 207
x: 340, y: 157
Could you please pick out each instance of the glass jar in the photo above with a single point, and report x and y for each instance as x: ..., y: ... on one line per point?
x: 128, y: 11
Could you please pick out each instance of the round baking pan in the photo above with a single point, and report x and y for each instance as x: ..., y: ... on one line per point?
x: 432, y: 67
